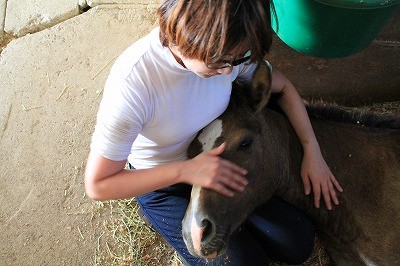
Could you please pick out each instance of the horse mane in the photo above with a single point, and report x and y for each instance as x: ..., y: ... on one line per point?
x: 323, y: 110
x: 333, y: 112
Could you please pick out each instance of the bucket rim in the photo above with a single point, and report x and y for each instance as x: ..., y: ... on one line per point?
x: 360, y: 4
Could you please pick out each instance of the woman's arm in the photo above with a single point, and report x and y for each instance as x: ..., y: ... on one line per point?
x: 106, y: 179
x: 314, y: 171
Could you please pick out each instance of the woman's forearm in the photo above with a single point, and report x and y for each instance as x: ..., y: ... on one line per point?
x: 293, y: 106
x: 106, y: 179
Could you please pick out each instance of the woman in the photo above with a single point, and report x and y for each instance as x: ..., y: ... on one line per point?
x: 166, y: 87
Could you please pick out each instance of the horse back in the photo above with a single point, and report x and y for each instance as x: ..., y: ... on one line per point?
x: 366, y: 162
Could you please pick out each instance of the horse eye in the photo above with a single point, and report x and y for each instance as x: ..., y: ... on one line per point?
x: 245, y: 144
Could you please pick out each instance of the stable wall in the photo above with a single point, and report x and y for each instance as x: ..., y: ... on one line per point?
x: 372, y: 75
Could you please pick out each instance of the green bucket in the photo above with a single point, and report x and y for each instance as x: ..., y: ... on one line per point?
x: 331, y: 28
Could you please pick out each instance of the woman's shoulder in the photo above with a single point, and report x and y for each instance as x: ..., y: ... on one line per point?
x: 129, y: 58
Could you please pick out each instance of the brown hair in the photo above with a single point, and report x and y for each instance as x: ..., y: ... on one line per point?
x: 207, y: 30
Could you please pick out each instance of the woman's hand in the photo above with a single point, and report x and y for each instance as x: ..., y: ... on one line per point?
x: 209, y: 170
x: 316, y: 173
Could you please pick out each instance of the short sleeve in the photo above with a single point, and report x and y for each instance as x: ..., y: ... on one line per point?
x: 120, y: 118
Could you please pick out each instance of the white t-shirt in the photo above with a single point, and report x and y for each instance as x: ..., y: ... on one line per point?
x: 152, y: 107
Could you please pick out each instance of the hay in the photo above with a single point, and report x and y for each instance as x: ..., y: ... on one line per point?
x: 134, y: 243
x: 131, y: 241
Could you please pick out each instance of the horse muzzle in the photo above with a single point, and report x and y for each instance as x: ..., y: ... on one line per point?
x: 203, y: 238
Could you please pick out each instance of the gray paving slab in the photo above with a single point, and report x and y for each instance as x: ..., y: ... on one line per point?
x: 50, y: 84
x: 2, y: 17
x: 27, y: 16
x: 103, y: 2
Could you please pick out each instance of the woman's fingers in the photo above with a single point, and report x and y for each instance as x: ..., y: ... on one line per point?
x: 217, y: 150
x: 235, y: 172
x: 336, y: 184
x: 213, y: 172
x: 332, y: 191
x: 327, y: 189
x: 233, y: 182
x: 326, y: 194
x: 317, y: 194
x: 306, y: 183
x: 220, y: 188
x: 231, y: 177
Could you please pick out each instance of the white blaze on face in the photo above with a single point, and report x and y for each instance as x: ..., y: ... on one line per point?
x: 195, y: 230
x: 194, y: 199
x: 210, y: 134
x: 207, y: 138
x: 366, y: 260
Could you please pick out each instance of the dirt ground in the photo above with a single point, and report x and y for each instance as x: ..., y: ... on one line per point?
x: 48, y: 103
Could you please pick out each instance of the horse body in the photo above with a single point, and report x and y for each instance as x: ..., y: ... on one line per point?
x: 364, y: 229
x: 365, y: 226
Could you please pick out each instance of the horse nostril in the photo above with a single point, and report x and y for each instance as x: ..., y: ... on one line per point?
x: 207, y: 230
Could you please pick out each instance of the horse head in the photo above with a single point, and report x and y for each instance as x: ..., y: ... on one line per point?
x: 211, y: 218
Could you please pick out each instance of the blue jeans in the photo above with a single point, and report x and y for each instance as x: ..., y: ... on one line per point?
x: 276, y: 230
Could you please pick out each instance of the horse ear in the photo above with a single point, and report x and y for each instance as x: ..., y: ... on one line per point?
x: 261, y: 85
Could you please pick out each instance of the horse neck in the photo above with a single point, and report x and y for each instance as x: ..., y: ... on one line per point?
x: 290, y: 186
x: 288, y: 158
x: 287, y: 152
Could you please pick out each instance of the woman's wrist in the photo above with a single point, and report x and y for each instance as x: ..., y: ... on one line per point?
x: 178, y: 168
x: 311, y: 146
